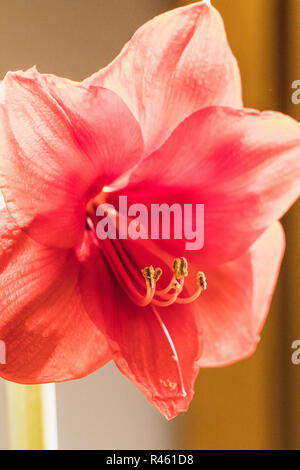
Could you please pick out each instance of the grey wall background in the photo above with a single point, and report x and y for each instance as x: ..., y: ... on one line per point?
x: 104, y: 411
x: 74, y: 38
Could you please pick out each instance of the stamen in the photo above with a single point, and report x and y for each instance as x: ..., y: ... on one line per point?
x: 180, y: 271
x: 177, y: 286
x: 157, y: 274
x: 153, y: 296
x: 202, y: 286
x: 127, y: 261
x: 131, y: 282
x: 202, y: 280
x: 169, y: 299
x: 148, y: 297
x: 180, y: 268
x: 167, y: 303
x: 169, y: 287
x: 124, y: 278
x: 151, y: 275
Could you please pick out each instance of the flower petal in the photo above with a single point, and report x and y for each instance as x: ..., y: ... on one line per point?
x: 48, y: 335
x: 142, y: 352
x: 234, y: 308
x: 174, y: 65
x: 9, y: 231
x: 105, y: 128
x: 244, y: 166
x: 55, y: 158
x: 141, y: 348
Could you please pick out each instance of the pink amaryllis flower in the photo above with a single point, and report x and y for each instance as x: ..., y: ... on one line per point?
x: 165, y: 118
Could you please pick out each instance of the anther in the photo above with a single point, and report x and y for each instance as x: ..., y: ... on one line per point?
x: 202, y: 286
x: 156, y: 297
x: 202, y: 280
x: 157, y: 274
x: 180, y: 268
x: 149, y: 275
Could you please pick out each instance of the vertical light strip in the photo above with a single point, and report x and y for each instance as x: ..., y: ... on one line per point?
x: 49, y: 416
x: 25, y: 420
x: 31, y: 416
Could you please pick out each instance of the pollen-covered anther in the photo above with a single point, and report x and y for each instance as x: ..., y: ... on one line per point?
x: 157, y: 274
x: 180, y: 268
x: 202, y: 285
x: 202, y: 280
x: 148, y: 274
x: 172, y: 293
x: 151, y: 275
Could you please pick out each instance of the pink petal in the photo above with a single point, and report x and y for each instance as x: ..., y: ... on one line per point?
x: 48, y: 335
x: 142, y: 352
x: 55, y: 157
x: 9, y: 231
x: 244, y: 166
x: 105, y: 128
x: 140, y: 347
x: 174, y: 65
x: 233, y: 310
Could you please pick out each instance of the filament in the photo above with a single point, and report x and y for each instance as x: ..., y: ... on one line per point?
x: 124, y: 278
x: 168, y: 288
x: 156, y: 297
x: 192, y: 298
x: 132, y: 282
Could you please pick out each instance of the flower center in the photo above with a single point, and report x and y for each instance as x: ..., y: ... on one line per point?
x: 152, y: 295
x: 171, y: 294
x: 121, y: 265
x: 143, y: 291
x: 162, y: 298
x: 92, y: 205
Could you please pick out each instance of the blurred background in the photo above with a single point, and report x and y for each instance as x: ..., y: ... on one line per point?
x: 251, y: 405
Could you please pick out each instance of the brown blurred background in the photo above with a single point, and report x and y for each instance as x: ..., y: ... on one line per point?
x: 250, y: 405
x: 256, y: 404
